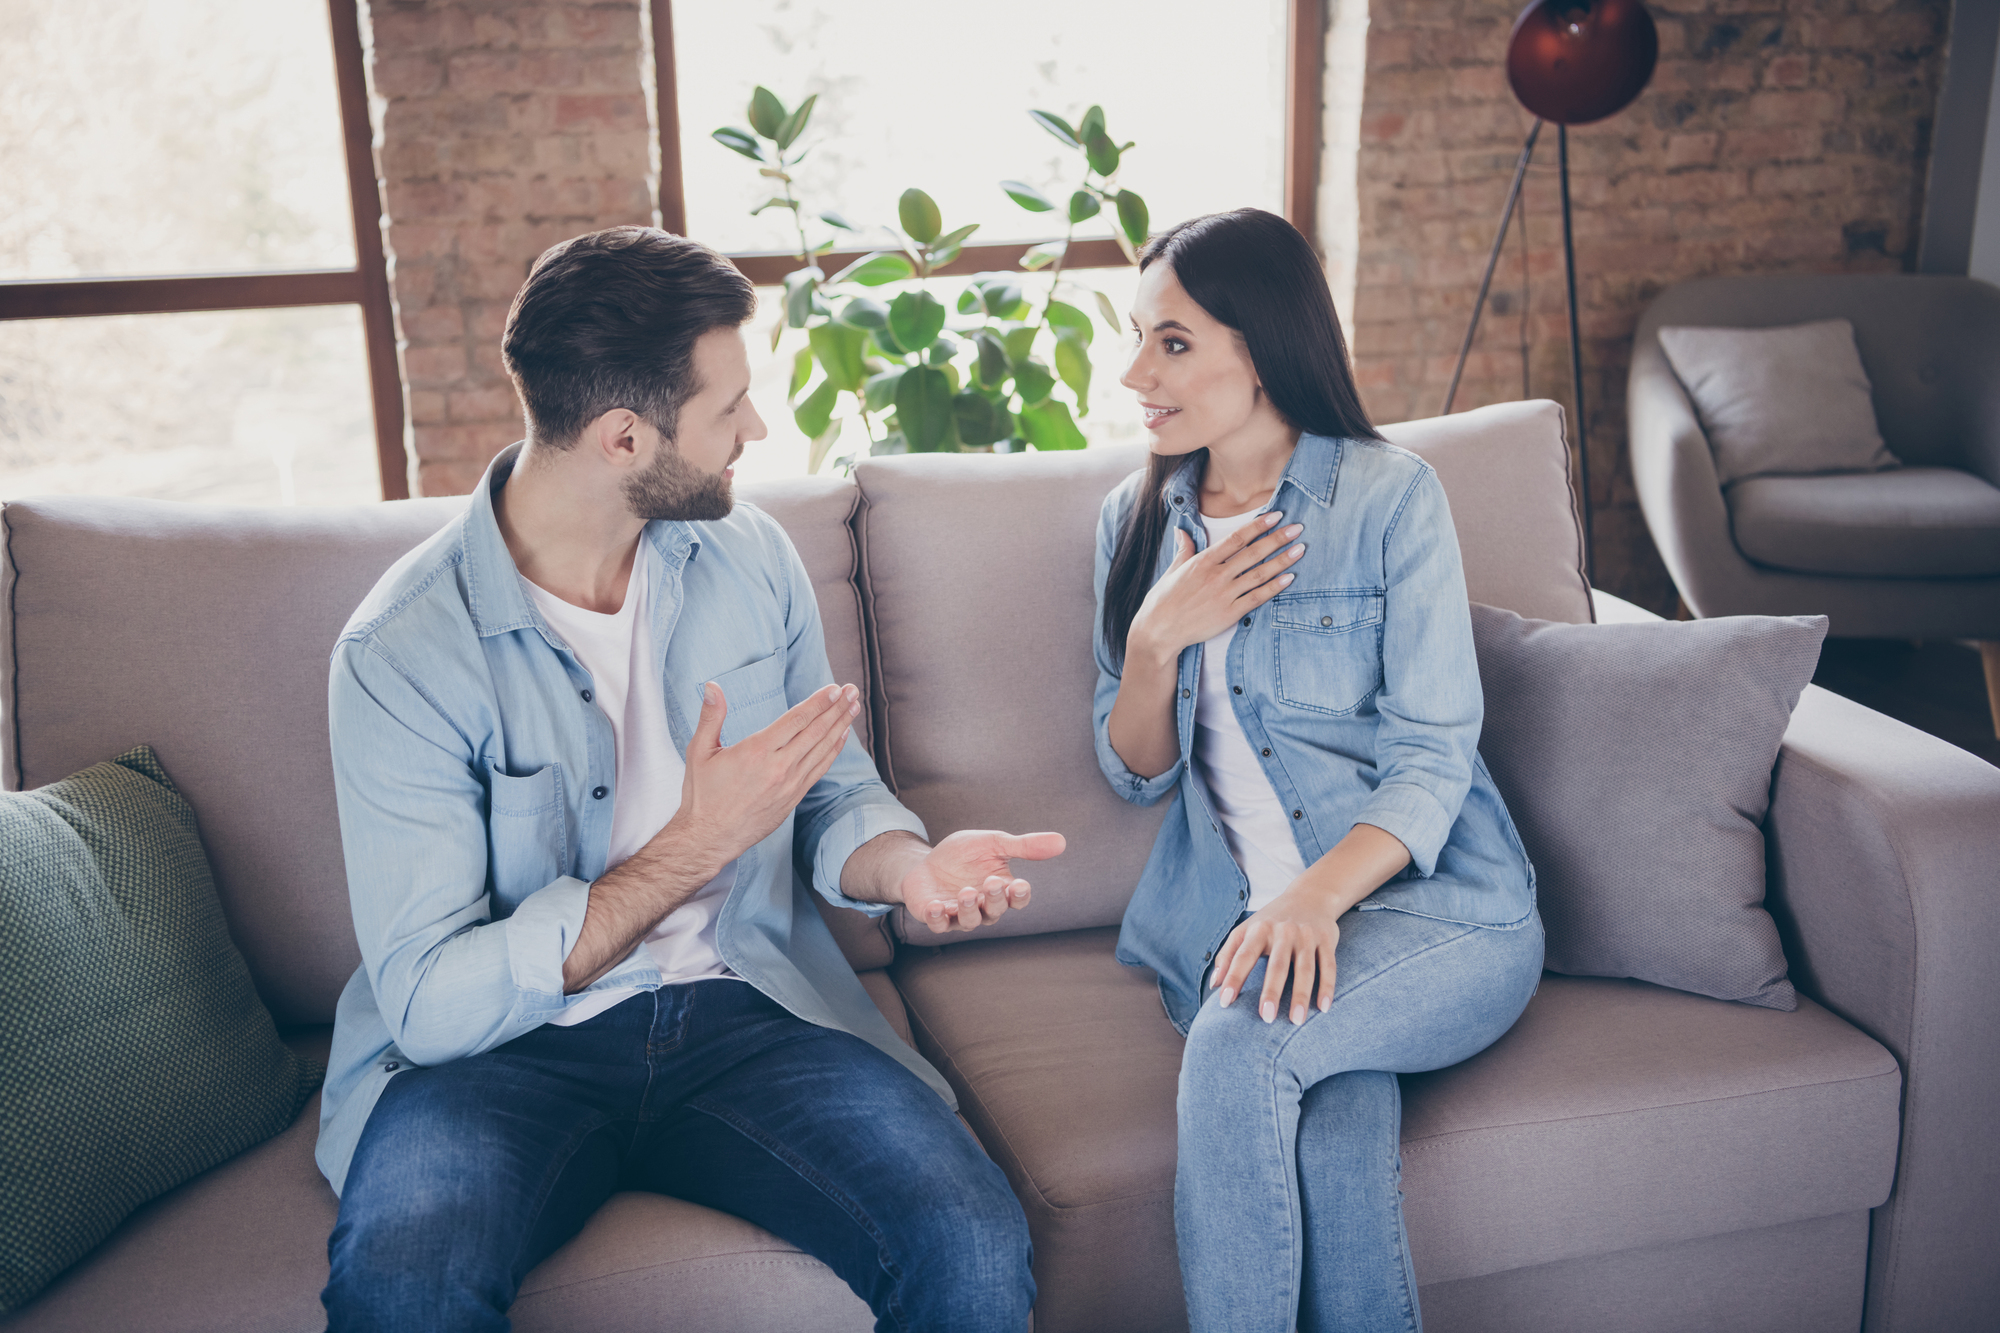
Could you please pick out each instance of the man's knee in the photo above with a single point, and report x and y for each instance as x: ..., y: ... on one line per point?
x: 971, y: 1253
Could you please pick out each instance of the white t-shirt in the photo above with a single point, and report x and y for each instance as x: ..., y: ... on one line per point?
x: 1254, y: 822
x: 624, y: 665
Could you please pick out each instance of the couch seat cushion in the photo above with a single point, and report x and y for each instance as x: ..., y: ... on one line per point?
x: 1913, y: 522
x: 1616, y: 1114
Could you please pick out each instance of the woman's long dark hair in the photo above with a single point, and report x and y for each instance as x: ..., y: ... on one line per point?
x: 1252, y: 271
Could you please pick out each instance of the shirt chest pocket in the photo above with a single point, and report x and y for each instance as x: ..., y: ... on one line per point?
x: 755, y: 695
x: 1329, y: 649
x: 526, y: 831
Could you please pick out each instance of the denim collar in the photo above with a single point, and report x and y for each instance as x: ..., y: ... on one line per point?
x: 1312, y: 470
x: 493, y: 593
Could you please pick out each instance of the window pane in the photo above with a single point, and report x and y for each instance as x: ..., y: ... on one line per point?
x: 1114, y: 415
x: 170, y: 136
x: 241, y: 407
x: 914, y: 93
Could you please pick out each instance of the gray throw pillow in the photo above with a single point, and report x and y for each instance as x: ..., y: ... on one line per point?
x: 1785, y: 400
x: 134, y: 1052
x: 1636, y: 760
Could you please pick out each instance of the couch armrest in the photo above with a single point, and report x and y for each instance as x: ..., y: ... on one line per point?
x: 1884, y: 858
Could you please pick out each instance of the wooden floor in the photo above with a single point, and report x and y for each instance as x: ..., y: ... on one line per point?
x: 1937, y: 687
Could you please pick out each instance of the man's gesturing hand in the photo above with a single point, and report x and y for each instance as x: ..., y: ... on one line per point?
x: 734, y: 795
x: 966, y: 882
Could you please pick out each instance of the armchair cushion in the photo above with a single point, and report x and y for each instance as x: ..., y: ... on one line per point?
x: 1636, y: 761
x: 1914, y: 522
x: 1783, y: 400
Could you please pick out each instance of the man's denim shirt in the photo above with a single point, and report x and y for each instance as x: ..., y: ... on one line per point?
x: 1360, y: 694
x: 476, y: 780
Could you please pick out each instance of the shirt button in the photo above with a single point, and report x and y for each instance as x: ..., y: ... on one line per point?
x: 391, y: 1067
x: 1246, y: 622
x: 1177, y: 501
x: 586, y: 696
x: 599, y: 793
x: 1241, y: 894
x: 1267, y: 752
x: 1210, y: 954
x: 1326, y: 620
x: 1296, y: 814
x: 1184, y: 694
x: 1237, y: 688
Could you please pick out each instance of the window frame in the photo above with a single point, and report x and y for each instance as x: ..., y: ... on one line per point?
x: 1305, y: 65
x: 366, y: 284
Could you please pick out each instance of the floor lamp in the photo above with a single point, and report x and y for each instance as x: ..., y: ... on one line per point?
x: 1572, y: 62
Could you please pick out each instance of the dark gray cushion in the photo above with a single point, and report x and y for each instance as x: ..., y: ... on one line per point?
x: 1914, y: 522
x: 1636, y: 761
x: 134, y: 1053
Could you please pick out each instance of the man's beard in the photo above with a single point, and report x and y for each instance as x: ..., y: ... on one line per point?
x: 673, y: 488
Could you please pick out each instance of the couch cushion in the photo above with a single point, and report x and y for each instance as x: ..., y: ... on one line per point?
x: 204, y: 631
x: 1913, y: 522
x: 977, y: 571
x: 244, y: 1248
x: 1615, y: 1114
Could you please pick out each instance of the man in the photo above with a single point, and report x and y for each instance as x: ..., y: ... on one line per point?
x: 589, y: 757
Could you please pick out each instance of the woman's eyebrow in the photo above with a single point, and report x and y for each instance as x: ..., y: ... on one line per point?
x: 1166, y: 324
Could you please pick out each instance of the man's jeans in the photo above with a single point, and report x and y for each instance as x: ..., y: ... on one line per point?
x: 1287, y: 1203
x: 468, y: 1174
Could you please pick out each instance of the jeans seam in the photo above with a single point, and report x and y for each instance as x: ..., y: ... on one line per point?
x: 819, y: 1182
x: 557, y: 1163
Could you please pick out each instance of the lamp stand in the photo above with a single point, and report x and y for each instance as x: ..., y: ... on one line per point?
x: 1575, y: 341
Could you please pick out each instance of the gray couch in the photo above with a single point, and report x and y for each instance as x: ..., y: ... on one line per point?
x: 1627, y: 1158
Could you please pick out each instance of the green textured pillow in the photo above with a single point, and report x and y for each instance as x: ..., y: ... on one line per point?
x: 134, y: 1053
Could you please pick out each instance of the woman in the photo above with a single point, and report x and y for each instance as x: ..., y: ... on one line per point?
x: 1283, y: 642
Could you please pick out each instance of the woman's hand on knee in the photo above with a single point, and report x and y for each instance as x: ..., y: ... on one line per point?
x: 1298, y: 931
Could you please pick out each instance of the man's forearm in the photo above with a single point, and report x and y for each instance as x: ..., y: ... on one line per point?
x: 874, y: 873
x: 628, y: 901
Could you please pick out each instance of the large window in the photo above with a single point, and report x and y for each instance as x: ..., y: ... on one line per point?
x: 192, y: 296
x: 1225, y: 109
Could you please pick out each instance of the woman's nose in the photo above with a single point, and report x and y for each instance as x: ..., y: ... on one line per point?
x: 1136, y: 376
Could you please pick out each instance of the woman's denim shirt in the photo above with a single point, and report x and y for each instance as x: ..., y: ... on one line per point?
x: 1357, y: 688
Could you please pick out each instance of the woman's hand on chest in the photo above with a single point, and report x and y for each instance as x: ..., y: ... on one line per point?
x: 1203, y: 593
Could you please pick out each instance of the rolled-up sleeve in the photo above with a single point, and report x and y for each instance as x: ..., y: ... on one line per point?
x: 1430, y: 703
x: 1130, y: 786
x: 449, y: 981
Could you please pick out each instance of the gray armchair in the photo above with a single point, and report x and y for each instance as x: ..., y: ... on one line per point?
x: 1909, y: 553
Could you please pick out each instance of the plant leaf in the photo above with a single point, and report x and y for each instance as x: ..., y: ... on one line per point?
x: 923, y: 407
x: 1057, y: 126
x: 1083, y: 206
x: 881, y: 389
x: 822, y: 444
x: 795, y: 124
x: 1019, y: 343
x: 833, y: 219
x: 1091, y: 126
x: 800, y: 284
x: 977, y: 422
x: 916, y: 319
x: 1068, y: 322
x: 1049, y: 426
x: 942, y: 351
x: 992, y: 363
x: 773, y: 202
x: 1024, y: 194
x: 864, y: 312
x: 816, y: 411
x: 838, y: 347
x: 1003, y: 299
x: 1041, y: 256
x: 1132, y: 217
x: 1073, y: 364
x: 767, y: 114
x: 1103, y: 154
x: 1109, y: 311
x: 885, y: 339
x: 802, y: 369
x: 873, y: 270
x: 968, y: 300
x: 957, y: 237
x: 741, y: 141
x: 919, y: 215
x: 1034, y: 382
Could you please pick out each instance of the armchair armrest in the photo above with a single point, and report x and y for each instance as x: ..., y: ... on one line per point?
x: 1884, y: 876
x: 1674, y: 473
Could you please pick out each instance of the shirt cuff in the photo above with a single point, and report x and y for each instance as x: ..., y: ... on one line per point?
x: 845, y: 836
x: 542, y: 931
x: 1129, y: 785
x: 1414, y: 817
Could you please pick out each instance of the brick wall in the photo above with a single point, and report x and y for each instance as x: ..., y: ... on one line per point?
x: 503, y: 126
x: 1775, y: 137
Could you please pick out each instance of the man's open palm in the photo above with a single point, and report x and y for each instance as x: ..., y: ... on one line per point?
x: 967, y: 881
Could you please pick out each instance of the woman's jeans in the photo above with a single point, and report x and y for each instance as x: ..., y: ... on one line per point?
x: 468, y: 1174
x: 1287, y: 1203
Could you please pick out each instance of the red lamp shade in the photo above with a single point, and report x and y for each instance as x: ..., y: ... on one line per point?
x: 1576, y: 61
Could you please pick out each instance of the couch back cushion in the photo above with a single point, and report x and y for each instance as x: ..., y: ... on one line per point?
x: 204, y: 632
x: 977, y: 573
